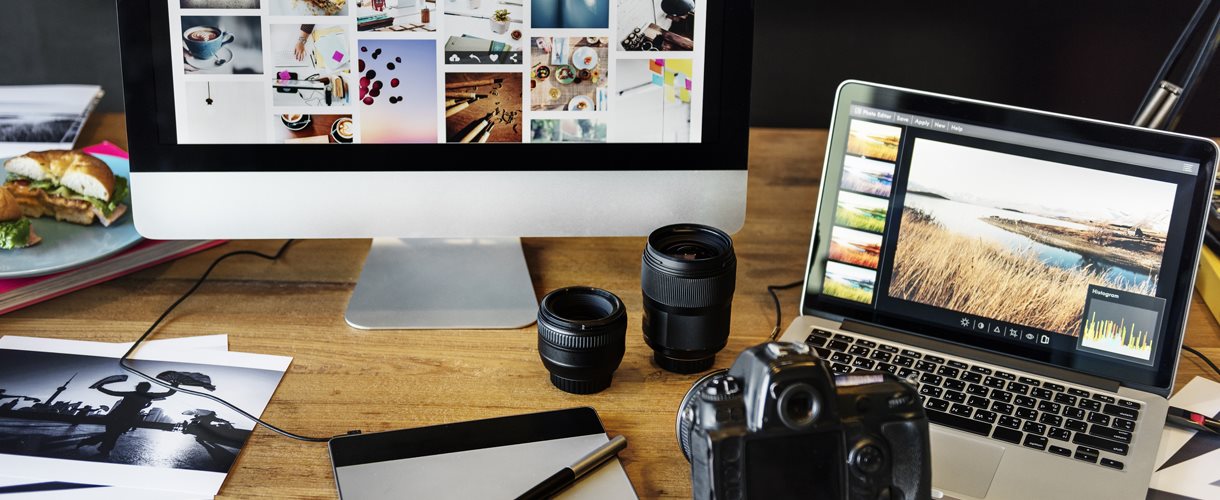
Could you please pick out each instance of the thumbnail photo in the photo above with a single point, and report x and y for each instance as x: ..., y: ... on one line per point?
x: 855, y: 247
x: 569, y: 73
x: 651, y: 25
x: 483, y: 107
x: 483, y: 32
x: 849, y: 282
x: 396, y: 15
x: 863, y: 175
x: 652, y: 102
x: 398, y: 91
x: 1022, y: 227
x: 219, y: 4
x: 861, y: 212
x: 873, y: 140
x: 309, y: 7
x: 296, y: 128
x: 590, y: 14
x: 222, y: 113
x: 311, y: 65
x: 222, y: 45
x: 86, y: 410
x: 567, y: 130
x: 1121, y: 325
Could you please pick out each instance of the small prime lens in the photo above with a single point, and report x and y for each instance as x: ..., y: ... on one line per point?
x: 582, y: 334
x: 688, y: 275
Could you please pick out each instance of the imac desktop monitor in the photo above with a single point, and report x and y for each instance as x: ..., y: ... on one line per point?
x: 445, y: 130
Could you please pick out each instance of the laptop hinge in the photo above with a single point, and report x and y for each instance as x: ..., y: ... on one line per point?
x: 981, y: 355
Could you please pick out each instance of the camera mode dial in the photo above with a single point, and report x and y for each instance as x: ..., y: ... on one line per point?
x: 721, y: 388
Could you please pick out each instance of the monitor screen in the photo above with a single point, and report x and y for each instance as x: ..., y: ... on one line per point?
x: 446, y: 71
x: 1015, y: 232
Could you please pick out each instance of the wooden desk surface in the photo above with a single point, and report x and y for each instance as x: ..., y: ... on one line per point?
x: 344, y: 378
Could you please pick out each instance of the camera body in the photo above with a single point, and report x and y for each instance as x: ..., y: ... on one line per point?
x: 778, y: 425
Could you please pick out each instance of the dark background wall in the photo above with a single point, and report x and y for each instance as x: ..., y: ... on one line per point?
x: 1086, y: 57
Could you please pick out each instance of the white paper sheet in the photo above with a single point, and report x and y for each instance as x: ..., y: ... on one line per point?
x: 1198, y: 476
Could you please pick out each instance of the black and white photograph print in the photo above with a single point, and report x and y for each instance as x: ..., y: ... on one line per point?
x: 34, y: 117
x: 39, y: 127
x: 86, y: 409
x: 222, y: 45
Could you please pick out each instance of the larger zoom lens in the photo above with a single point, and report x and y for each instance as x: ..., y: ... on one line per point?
x: 582, y: 334
x: 688, y: 275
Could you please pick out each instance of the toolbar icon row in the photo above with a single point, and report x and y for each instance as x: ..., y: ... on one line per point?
x: 1006, y: 331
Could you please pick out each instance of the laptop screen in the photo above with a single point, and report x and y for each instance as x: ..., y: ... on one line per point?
x: 1053, y: 239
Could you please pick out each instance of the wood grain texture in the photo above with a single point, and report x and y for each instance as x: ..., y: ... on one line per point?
x: 343, y: 378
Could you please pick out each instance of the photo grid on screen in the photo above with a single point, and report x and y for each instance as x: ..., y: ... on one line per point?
x: 437, y: 71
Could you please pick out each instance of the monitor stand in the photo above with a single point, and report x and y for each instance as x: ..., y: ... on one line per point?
x: 443, y: 284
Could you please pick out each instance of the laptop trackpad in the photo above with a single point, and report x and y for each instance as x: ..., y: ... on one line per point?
x: 963, y: 465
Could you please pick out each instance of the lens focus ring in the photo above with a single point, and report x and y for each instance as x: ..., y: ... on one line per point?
x: 686, y: 292
x: 566, y: 340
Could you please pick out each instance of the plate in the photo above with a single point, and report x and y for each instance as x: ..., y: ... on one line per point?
x: 68, y: 246
x: 224, y: 54
x: 576, y: 102
x: 584, y: 58
x: 564, y: 74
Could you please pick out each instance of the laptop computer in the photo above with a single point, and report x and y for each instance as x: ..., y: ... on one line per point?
x: 1032, y: 271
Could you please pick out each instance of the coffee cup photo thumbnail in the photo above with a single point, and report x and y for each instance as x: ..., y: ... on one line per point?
x: 222, y: 45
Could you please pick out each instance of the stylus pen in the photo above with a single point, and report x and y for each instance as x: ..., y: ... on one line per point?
x: 1187, y: 419
x: 572, y: 473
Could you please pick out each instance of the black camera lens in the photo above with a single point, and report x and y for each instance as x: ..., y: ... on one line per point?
x: 688, y: 275
x: 581, y: 337
x: 715, y: 387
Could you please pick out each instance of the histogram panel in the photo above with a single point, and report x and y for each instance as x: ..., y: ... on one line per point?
x: 1120, y: 337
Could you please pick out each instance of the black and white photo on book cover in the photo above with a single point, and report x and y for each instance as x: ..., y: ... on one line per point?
x: 36, y: 117
x: 77, y: 416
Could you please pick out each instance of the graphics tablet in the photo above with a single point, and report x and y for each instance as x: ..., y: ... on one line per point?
x: 487, y: 459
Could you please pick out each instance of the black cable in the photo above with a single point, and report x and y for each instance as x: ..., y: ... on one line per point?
x: 771, y: 290
x: 123, y: 360
x: 1202, y: 357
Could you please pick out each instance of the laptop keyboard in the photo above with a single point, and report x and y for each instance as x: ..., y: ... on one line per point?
x: 1042, y: 414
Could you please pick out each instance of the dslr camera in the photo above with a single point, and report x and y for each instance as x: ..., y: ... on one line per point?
x: 778, y: 425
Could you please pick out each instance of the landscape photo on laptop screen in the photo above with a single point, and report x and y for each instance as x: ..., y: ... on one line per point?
x: 437, y: 71
x: 1032, y: 241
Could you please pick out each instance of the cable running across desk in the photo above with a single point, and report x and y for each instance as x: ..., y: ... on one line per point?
x: 1201, y: 356
x: 771, y: 290
x: 126, y: 356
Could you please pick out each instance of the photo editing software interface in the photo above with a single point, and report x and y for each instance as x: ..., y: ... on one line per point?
x: 444, y: 71
x: 1053, y: 245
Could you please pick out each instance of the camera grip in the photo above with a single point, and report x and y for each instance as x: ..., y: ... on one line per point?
x: 911, y: 458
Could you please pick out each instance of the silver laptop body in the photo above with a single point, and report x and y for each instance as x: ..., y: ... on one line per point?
x: 996, y: 256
